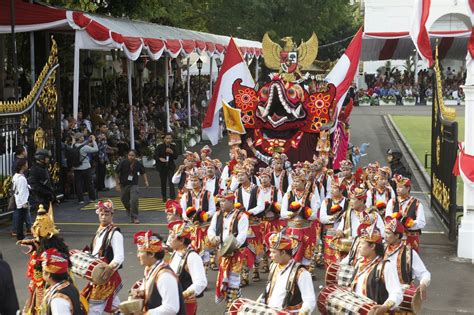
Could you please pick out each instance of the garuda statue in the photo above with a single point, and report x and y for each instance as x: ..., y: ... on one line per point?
x: 283, y: 116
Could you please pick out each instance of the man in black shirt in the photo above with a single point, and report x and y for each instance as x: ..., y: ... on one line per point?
x: 165, y: 155
x: 9, y: 305
x: 127, y: 173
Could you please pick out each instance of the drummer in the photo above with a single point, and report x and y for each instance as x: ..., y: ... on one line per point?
x: 107, y: 245
x: 330, y: 215
x: 373, y: 277
x: 290, y: 286
x: 404, y: 259
x: 165, y: 296
x: 187, y: 264
x: 200, y: 207
x: 247, y: 196
x: 61, y: 297
x: 300, y: 207
x: 382, y: 193
x: 229, y: 223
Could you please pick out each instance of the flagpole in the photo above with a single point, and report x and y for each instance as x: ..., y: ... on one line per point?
x: 130, y: 101
x: 256, y: 69
x: 167, y: 94
x: 188, y: 79
x: 210, y: 76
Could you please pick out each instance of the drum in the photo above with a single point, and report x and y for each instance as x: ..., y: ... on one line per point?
x: 340, y: 300
x: 411, y: 300
x: 88, y: 267
x: 340, y: 275
x: 245, y: 306
x: 131, y: 306
x: 229, y: 246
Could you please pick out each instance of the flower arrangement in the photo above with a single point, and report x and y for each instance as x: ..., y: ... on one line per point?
x: 149, y: 152
x: 388, y: 99
x: 110, y: 168
x: 409, y: 99
x: 364, y: 99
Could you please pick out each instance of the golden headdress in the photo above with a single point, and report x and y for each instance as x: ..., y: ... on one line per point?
x: 44, y: 224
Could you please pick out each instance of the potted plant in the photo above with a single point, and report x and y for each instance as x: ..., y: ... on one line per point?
x: 409, y: 100
x: 429, y: 100
x: 148, y: 156
x: 364, y: 101
x: 387, y: 100
x: 110, y: 175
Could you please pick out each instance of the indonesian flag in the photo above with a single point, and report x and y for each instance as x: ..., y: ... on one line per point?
x: 233, y: 68
x: 470, y: 46
x: 419, y: 32
x: 464, y: 166
x: 345, y: 69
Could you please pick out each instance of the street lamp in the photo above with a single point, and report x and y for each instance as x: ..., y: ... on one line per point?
x: 218, y: 64
x: 88, y: 66
x: 140, y: 68
x: 199, y: 66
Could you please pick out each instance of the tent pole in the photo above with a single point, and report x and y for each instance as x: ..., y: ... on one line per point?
x: 256, y: 69
x: 210, y: 75
x: 188, y: 79
x: 130, y: 102
x: 75, y: 89
x: 167, y: 94
x: 15, y: 52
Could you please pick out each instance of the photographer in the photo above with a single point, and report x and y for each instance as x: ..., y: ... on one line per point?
x: 39, y: 179
x: 82, y: 172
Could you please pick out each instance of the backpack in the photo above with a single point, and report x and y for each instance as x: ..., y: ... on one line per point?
x: 73, y: 155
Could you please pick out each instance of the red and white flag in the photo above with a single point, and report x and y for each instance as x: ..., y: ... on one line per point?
x: 419, y: 32
x: 464, y: 166
x: 345, y: 69
x: 233, y: 68
x: 470, y: 45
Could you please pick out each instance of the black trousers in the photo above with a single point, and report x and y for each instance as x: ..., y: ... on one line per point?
x: 21, y: 216
x: 165, y: 178
x: 101, y: 175
x: 83, y: 179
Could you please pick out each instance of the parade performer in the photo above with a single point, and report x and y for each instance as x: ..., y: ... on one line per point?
x: 247, y: 196
x: 200, y: 208
x: 228, y: 224
x: 212, y: 180
x: 206, y: 152
x: 106, y: 245
x: 409, y: 211
x: 237, y: 157
x: 45, y: 236
x: 269, y: 197
x: 187, y: 264
x: 321, y: 178
x: 300, y: 207
x: 180, y: 177
x: 61, y: 297
x: 403, y: 258
x: 330, y: 216
x: 289, y: 285
x: 347, y: 176
x: 381, y: 194
x: 370, y: 172
x: 373, y: 277
x: 173, y: 210
x: 160, y: 287
x: 358, y: 213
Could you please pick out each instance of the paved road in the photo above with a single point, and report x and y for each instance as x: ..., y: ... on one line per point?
x: 451, y: 290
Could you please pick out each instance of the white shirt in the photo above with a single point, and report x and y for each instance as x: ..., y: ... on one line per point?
x: 328, y: 219
x: 355, y: 222
x: 210, y: 185
x: 392, y: 284
x: 305, y: 285
x: 265, y: 195
x: 420, y: 221
x: 21, y: 191
x: 418, y: 268
x: 195, y: 269
x: 60, y: 306
x: 177, y: 178
x: 242, y: 226
x: 315, y: 203
x: 197, y: 203
x: 326, y: 191
x: 224, y: 177
x: 379, y: 197
x: 278, y: 178
x: 246, y: 200
x: 167, y: 286
x: 117, y: 245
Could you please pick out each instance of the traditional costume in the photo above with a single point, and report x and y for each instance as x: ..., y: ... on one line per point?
x: 370, y: 171
x: 226, y: 225
x: 347, y: 178
x: 45, y: 232
x: 300, y: 208
x: 188, y: 266
x: 381, y: 194
x: 289, y: 286
x: 247, y: 197
x: 404, y: 259
x: 237, y: 158
x: 200, y: 208
x: 180, y: 177
x: 375, y: 278
x: 61, y: 298
x: 106, y: 245
x: 409, y: 211
x: 161, y: 287
x: 173, y: 210
x: 211, y: 183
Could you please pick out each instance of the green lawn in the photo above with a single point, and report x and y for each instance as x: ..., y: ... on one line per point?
x: 417, y: 132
